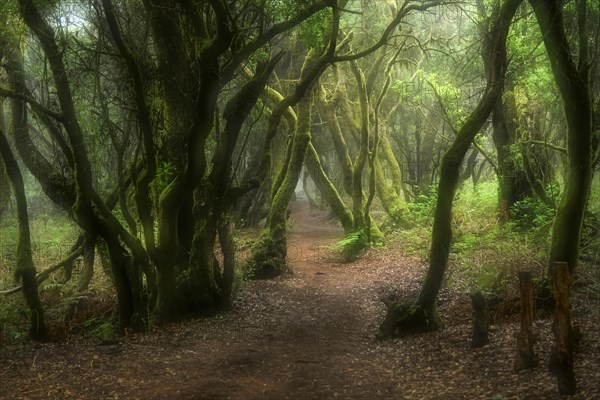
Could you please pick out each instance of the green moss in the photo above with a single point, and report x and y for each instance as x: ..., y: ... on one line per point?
x: 268, y: 258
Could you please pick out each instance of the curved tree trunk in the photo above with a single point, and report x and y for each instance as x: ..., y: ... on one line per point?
x: 269, y: 253
x: 392, y: 162
x: 423, y: 315
x: 572, y: 81
x: 451, y: 162
x: 513, y: 184
x: 4, y: 190
x: 390, y: 199
x: 25, y: 269
x: 327, y: 189
x: 4, y: 181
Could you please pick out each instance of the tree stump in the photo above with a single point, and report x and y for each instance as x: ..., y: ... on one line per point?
x: 481, y: 319
x: 526, y: 357
x: 561, y: 358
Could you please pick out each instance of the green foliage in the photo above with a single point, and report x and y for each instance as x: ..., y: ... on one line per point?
x: 352, y: 244
x: 421, y: 211
x: 486, y: 255
x: 483, y: 253
x: 414, y: 241
x: 313, y: 33
x: 164, y: 175
x: 590, y: 241
x: 532, y: 214
x: 13, y: 320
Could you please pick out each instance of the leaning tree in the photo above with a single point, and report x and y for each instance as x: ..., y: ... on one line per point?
x: 422, y: 315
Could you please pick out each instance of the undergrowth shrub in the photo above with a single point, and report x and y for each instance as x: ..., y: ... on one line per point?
x: 532, y: 214
x: 487, y: 255
x: 90, y: 314
x: 483, y: 254
x: 352, y: 244
x: 422, y: 209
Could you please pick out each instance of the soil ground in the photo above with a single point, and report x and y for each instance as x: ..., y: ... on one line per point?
x: 307, y: 335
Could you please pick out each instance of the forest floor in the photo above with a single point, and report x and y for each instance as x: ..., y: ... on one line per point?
x: 307, y: 335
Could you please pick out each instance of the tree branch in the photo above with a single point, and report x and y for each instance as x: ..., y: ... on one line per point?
x: 406, y: 9
x: 38, y: 107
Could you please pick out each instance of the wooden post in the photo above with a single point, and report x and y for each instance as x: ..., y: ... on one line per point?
x: 526, y: 357
x: 561, y: 358
x: 481, y: 319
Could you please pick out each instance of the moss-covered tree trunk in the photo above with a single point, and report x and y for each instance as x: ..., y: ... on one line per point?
x: 572, y: 80
x: 25, y: 268
x: 386, y: 152
x: 269, y: 253
x: 339, y: 141
x: 4, y: 190
x: 423, y: 314
x: 358, y: 198
x: 328, y: 190
x: 228, y: 250
x: 391, y: 201
x: 513, y: 184
x: 4, y: 182
x: 452, y: 161
x: 55, y: 186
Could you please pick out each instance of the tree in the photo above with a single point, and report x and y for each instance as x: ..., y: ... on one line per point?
x: 4, y: 182
x: 423, y: 314
x: 269, y: 253
x: 25, y: 268
x: 572, y: 79
x: 512, y: 179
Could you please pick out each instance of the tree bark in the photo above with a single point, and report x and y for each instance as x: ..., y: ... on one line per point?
x: 57, y: 187
x: 481, y: 319
x: 561, y: 357
x: 4, y: 190
x: 512, y: 180
x: 269, y: 253
x: 526, y: 357
x: 452, y: 160
x: 4, y: 181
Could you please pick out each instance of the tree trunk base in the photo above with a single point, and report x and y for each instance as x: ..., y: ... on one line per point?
x: 405, y: 319
x: 526, y: 357
x: 267, y: 260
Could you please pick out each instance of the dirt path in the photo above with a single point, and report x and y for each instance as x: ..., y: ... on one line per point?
x: 305, y: 336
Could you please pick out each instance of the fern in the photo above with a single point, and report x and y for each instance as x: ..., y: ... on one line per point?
x: 352, y: 244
